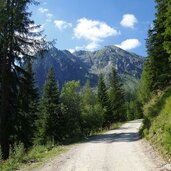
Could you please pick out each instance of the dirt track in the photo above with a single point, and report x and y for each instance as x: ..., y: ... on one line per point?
x: 116, y: 150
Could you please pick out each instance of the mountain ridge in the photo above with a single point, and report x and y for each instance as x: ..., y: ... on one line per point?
x: 83, y: 65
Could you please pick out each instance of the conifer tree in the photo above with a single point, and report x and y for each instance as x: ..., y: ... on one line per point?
x: 27, y: 112
x: 49, y: 116
x: 144, y: 93
x: 167, y: 32
x: 17, y: 42
x: 116, y: 97
x: 104, y: 100
x: 158, y: 58
x: 157, y: 69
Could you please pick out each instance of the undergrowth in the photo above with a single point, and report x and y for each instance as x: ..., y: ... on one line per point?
x: 157, y: 122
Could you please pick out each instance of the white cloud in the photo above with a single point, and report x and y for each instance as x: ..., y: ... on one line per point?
x: 71, y: 50
x: 129, y: 44
x: 93, y: 30
x: 128, y: 20
x: 60, y: 24
x: 43, y: 10
x: 91, y: 46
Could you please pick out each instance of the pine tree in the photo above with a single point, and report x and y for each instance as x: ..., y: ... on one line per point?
x: 116, y: 97
x: 157, y: 69
x: 167, y: 32
x: 49, y: 118
x: 158, y: 58
x: 17, y: 42
x: 27, y: 114
x: 104, y: 100
x: 145, y: 89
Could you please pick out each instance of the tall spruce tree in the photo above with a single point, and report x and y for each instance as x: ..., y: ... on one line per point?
x: 146, y: 83
x: 17, y: 42
x: 116, y: 97
x: 104, y: 100
x: 49, y: 116
x: 167, y: 32
x: 158, y: 60
x: 157, y: 69
x: 27, y: 112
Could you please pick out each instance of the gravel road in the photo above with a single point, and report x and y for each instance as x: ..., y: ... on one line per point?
x: 117, y: 150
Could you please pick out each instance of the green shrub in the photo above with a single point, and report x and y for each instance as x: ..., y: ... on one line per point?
x: 92, y: 118
x: 15, y: 159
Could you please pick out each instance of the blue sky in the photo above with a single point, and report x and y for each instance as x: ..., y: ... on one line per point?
x: 93, y: 24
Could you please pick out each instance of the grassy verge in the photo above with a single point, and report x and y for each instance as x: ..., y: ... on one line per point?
x: 157, y: 123
x: 33, y: 158
x: 38, y: 155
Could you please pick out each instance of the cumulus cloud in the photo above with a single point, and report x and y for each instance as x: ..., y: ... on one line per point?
x: 60, y: 24
x: 91, y: 46
x: 128, y: 20
x: 43, y: 10
x: 129, y: 44
x: 93, y: 30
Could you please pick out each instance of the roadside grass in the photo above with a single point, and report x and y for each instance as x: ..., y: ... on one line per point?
x: 39, y: 154
x: 35, y: 157
x: 157, y: 122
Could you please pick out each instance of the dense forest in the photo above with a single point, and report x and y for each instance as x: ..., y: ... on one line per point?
x: 60, y: 114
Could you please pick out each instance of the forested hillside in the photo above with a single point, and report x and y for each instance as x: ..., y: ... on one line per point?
x: 155, y: 87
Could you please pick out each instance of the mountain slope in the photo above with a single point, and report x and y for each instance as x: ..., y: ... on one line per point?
x: 66, y: 66
x: 103, y: 60
x: 83, y: 65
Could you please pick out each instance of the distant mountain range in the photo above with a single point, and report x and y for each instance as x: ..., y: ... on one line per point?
x: 86, y: 65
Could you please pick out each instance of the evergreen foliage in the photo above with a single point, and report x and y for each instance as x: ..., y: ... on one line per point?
x: 17, y: 42
x: 155, y: 91
x: 49, y: 116
x: 116, y: 98
x: 167, y: 32
x: 27, y: 110
x: 103, y: 99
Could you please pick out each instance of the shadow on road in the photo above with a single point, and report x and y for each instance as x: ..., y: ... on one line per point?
x: 115, y: 137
